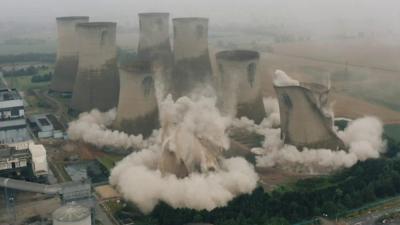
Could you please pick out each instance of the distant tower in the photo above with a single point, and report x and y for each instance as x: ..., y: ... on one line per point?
x: 97, y: 82
x: 154, y: 43
x: 305, y: 117
x: 240, y: 84
x: 192, y: 66
x: 137, y: 108
x: 66, y: 66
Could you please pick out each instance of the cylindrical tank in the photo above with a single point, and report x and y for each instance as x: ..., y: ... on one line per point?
x: 66, y: 66
x: 240, y: 84
x: 97, y: 82
x: 72, y: 214
x: 137, y: 111
x: 192, y: 66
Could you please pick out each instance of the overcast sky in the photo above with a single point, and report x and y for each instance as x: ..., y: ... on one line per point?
x: 219, y: 11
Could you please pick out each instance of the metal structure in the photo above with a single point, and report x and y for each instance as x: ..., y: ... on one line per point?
x: 66, y: 66
x: 72, y: 214
x: 240, y: 85
x: 305, y: 118
x: 137, y: 108
x: 192, y: 66
x: 97, y: 82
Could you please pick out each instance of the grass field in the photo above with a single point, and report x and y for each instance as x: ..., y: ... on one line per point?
x: 23, y: 83
x: 109, y: 161
x: 393, y: 131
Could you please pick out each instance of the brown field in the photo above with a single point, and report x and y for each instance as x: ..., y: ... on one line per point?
x: 372, y: 92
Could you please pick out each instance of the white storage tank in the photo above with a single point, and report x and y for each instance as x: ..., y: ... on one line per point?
x: 72, y: 214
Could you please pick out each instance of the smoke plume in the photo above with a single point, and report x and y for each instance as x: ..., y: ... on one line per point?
x: 92, y: 127
x: 194, y: 132
x: 280, y: 78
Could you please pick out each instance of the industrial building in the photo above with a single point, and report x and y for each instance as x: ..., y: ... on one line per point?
x: 13, y: 126
x: 46, y: 126
x: 66, y: 66
x: 305, y: 118
x: 14, y: 162
x: 192, y: 66
x: 240, y: 85
x: 97, y: 82
x: 137, y: 111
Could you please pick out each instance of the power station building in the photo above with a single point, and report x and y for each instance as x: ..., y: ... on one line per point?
x: 137, y: 108
x: 192, y: 66
x: 305, y: 118
x: 13, y: 126
x: 97, y: 81
x: 240, y: 85
x: 66, y: 66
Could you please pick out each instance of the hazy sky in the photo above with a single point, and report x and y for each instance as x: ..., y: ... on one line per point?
x: 219, y: 11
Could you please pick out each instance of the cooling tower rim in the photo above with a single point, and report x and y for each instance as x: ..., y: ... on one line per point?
x: 153, y: 14
x: 71, y: 18
x: 311, y: 87
x: 96, y: 24
x: 238, y: 55
x: 190, y: 19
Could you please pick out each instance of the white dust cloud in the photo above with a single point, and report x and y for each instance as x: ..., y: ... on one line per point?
x: 92, y: 127
x: 280, y: 78
x: 191, y: 128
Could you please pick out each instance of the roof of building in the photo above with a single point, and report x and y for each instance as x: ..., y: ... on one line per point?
x: 71, y: 212
x: 9, y: 94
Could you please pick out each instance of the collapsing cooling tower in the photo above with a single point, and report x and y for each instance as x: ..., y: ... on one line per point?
x: 305, y: 118
x: 240, y: 85
x: 97, y: 81
x: 66, y: 66
x: 192, y: 66
x: 137, y: 108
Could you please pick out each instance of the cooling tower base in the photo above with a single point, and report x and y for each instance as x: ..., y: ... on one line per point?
x: 64, y: 74
x: 254, y: 110
x: 96, y: 89
x: 142, y: 125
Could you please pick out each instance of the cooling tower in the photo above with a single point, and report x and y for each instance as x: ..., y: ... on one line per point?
x: 137, y: 108
x: 154, y: 44
x: 97, y: 81
x: 305, y: 118
x: 192, y: 66
x: 240, y: 85
x: 66, y: 66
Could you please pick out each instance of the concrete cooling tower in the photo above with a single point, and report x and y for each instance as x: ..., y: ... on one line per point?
x: 137, y: 108
x: 154, y: 43
x: 66, y: 66
x: 240, y: 85
x: 305, y: 118
x: 97, y: 81
x: 192, y: 66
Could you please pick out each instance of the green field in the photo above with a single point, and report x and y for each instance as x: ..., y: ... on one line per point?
x: 393, y: 131
x: 8, y: 49
x: 23, y: 83
x: 109, y: 161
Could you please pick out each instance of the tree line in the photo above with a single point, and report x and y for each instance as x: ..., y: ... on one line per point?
x: 332, y: 195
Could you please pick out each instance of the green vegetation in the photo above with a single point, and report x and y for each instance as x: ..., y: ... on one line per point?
x: 109, y: 161
x: 393, y: 131
x: 28, y: 57
x: 333, y: 195
x: 42, y: 78
x: 25, y: 83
